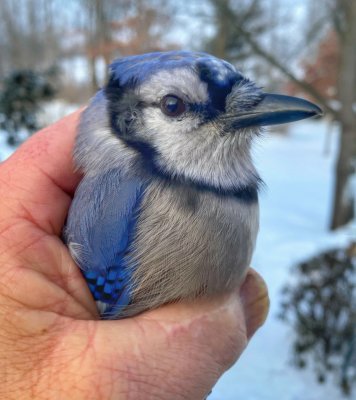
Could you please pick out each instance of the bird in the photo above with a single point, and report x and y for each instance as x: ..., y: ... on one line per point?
x: 167, y: 209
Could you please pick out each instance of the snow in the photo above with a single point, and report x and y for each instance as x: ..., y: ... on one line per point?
x: 50, y: 113
x: 54, y: 111
x: 295, y: 210
x: 5, y: 149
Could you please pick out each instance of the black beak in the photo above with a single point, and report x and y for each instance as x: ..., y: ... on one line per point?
x: 275, y: 109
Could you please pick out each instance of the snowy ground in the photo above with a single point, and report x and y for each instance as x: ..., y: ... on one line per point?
x: 295, y: 210
x: 5, y: 150
x: 52, y: 112
x: 294, y: 216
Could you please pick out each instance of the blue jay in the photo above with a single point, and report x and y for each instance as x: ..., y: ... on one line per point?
x: 168, y: 205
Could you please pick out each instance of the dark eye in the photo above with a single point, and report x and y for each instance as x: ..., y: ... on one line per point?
x: 172, y: 105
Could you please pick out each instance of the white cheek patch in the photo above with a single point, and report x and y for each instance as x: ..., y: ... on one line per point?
x: 186, y: 148
x: 158, y: 124
x: 182, y: 82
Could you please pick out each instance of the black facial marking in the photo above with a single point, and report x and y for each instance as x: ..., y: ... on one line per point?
x: 220, y: 79
x: 123, y: 106
x: 246, y: 194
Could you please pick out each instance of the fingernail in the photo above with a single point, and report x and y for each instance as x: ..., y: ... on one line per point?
x: 255, y: 301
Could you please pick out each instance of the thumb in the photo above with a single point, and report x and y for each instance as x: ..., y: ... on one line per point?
x: 255, y: 301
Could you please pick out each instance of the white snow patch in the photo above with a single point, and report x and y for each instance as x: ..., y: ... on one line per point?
x: 50, y: 113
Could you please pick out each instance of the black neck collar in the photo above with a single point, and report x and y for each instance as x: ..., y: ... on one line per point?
x: 248, y: 193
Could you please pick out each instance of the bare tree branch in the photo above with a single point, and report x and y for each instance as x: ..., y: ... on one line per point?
x: 257, y: 48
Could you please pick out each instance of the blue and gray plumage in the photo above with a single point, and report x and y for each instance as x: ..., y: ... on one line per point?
x: 168, y: 208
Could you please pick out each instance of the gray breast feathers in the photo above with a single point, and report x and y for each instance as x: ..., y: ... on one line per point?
x: 190, y: 243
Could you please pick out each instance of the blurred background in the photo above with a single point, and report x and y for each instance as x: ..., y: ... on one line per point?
x: 54, y: 56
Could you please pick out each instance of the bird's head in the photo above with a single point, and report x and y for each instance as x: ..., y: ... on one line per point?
x: 191, y: 116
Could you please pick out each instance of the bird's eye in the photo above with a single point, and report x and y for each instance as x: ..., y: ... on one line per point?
x: 172, y: 106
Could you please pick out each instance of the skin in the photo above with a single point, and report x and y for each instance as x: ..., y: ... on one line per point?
x: 52, y: 345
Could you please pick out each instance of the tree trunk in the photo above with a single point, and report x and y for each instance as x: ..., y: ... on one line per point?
x: 93, y: 77
x: 342, y: 211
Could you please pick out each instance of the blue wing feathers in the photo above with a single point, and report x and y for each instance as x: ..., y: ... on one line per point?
x: 102, y: 222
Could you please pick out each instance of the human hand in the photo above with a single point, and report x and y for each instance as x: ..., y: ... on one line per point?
x: 52, y: 345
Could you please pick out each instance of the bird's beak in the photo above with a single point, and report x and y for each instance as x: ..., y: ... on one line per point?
x: 275, y: 109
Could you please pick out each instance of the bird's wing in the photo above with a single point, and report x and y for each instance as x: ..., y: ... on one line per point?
x: 99, y: 232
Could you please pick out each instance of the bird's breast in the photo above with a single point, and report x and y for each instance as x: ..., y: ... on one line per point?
x: 190, y: 243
